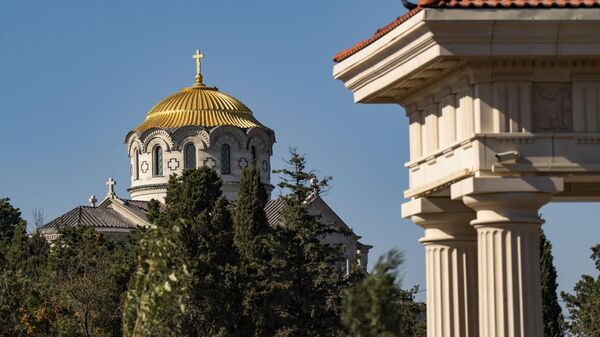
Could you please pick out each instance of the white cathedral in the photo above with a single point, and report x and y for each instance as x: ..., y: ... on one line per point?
x: 197, y: 126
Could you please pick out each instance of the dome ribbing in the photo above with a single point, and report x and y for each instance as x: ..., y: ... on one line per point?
x: 199, y: 105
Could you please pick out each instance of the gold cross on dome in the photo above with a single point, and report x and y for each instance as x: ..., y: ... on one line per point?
x: 198, y: 56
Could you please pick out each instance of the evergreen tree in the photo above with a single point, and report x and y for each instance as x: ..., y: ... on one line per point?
x: 214, y: 307
x: 584, y: 305
x: 378, y: 307
x: 211, y: 301
x: 552, y: 312
x: 153, y: 212
x: 264, y: 288
x: 250, y: 220
x: 315, y: 284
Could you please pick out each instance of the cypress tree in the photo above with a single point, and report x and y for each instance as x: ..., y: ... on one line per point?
x: 191, y: 279
x: 215, y: 307
x: 250, y: 220
x: 264, y: 287
x: 553, y: 318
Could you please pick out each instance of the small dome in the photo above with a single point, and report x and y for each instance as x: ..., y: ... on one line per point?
x: 199, y: 105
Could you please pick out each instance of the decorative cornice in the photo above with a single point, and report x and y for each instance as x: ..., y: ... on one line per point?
x: 147, y: 187
x: 403, y: 59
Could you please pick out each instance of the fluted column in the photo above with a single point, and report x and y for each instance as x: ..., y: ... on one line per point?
x: 451, y: 261
x: 508, y: 224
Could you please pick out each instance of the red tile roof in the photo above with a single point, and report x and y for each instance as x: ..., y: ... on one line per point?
x: 509, y: 3
x: 378, y: 34
x: 464, y: 4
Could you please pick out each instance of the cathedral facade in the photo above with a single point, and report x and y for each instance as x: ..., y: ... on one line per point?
x: 197, y: 126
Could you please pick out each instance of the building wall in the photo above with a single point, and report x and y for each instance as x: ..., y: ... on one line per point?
x: 145, y: 184
x: 547, y: 111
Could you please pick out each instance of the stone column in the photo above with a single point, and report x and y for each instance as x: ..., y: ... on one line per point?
x: 508, y: 224
x: 451, y: 265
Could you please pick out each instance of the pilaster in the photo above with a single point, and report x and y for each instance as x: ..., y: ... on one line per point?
x: 451, y: 261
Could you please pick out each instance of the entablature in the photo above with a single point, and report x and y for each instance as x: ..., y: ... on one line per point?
x: 435, y: 41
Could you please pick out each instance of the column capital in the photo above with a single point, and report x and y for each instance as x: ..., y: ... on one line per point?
x: 443, y: 219
x: 423, y: 206
x: 507, y: 209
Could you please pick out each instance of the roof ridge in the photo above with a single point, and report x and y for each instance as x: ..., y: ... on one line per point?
x: 79, y: 215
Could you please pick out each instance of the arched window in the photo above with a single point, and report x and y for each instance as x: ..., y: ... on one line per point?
x: 253, y: 149
x: 225, y: 159
x: 136, y: 166
x: 190, y: 156
x: 158, y: 161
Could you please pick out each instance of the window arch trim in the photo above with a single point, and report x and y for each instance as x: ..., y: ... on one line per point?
x: 189, y: 156
x: 253, y: 153
x: 225, y: 159
x: 157, y: 161
x: 136, y: 165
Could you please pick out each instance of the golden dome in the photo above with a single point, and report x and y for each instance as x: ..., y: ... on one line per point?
x: 199, y: 105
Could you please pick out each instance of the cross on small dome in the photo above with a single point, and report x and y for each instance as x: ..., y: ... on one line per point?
x: 111, y: 186
x: 92, y: 200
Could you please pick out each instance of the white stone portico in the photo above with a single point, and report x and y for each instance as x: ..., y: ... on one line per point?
x: 504, y: 111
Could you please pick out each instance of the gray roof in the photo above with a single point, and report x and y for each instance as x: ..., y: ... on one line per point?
x: 106, y: 217
x: 98, y: 217
x: 273, y: 210
x: 274, y: 207
x: 138, y: 207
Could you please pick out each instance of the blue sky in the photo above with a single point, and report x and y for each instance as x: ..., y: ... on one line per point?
x: 76, y: 76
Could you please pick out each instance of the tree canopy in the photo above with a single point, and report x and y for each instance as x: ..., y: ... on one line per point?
x: 377, y: 306
x: 205, y: 267
x: 72, y: 288
x: 187, y: 283
x: 584, y: 304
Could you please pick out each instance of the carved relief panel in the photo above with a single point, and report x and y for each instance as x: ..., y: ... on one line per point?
x: 552, y: 107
